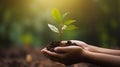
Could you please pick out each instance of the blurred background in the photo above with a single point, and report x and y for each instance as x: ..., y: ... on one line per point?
x: 24, y: 22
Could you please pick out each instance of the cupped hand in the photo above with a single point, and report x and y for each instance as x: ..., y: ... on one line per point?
x: 67, y: 55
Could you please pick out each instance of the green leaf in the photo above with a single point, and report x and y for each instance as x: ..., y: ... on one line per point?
x: 68, y: 22
x: 53, y: 28
x: 71, y: 27
x: 64, y: 27
x: 56, y: 15
x: 64, y: 15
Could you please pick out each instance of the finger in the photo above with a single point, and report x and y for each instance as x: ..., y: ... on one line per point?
x: 44, y: 49
x: 54, y: 58
x: 63, y: 43
x: 66, y: 49
x: 54, y: 54
x: 60, y: 49
x: 79, y: 43
x: 44, y: 52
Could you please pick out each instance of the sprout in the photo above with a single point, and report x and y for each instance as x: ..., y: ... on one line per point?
x: 67, y: 25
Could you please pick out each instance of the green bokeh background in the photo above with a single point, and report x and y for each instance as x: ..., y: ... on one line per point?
x: 24, y: 22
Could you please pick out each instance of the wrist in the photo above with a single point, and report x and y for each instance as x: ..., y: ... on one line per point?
x: 89, y: 57
x: 85, y: 54
x: 93, y: 48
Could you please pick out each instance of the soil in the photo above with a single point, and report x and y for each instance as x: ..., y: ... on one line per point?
x: 54, y: 44
x: 29, y: 57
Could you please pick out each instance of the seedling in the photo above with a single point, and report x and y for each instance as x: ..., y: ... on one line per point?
x: 62, y: 23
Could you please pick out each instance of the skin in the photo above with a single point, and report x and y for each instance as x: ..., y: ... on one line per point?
x: 96, y: 49
x: 84, y: 53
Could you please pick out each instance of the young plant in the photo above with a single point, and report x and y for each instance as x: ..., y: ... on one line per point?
x: 63, y: 24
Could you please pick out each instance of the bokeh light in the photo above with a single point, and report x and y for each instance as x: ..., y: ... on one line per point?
x: 25, y: 21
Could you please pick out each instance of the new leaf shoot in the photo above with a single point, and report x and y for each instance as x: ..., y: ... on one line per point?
x: 67, y: 25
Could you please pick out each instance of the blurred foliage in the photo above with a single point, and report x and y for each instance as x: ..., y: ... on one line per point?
x: 24, y: 22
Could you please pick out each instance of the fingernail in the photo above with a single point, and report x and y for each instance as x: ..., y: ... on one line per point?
x: 55, y: 49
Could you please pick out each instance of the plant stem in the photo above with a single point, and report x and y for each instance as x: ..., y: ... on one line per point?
x: 60, y: 34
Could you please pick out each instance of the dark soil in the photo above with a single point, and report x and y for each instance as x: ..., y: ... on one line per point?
x: 54, y: 44
x: 16, y: 57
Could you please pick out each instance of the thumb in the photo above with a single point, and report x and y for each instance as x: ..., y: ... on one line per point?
x: 61, y: 49
x: 66, y: 49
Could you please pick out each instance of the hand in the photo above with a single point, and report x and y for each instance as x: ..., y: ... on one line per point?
x: 83, y: 53
x: 83, y: 45
x: 67, y: 55
x: 78, y: 43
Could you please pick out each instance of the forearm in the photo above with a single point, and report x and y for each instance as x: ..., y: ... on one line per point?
x: 104, y: 50
x: 102, y: 59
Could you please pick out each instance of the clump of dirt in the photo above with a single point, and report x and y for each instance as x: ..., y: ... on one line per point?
x: 52, y: 45
x: 55, y: 43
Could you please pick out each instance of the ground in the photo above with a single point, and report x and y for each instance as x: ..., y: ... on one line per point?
x: 18, y: 57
